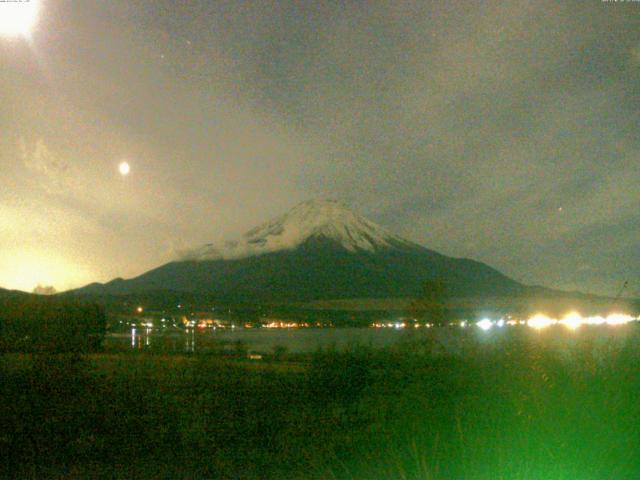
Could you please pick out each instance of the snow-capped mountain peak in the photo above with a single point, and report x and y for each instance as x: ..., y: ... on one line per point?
x: 314, y: 219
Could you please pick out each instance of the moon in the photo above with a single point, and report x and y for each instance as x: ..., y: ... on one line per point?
x: 124, y: 169
x: 17, y: 18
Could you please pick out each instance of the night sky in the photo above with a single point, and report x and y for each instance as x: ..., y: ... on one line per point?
x: 503, y: 131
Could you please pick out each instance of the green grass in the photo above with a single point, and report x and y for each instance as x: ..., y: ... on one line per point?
x: 524, y: 410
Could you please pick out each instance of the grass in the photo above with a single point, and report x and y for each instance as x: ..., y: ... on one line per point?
x: 525, y: 409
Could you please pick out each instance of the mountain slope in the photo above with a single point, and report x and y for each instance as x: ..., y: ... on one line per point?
x: 319, y: 250
x: 10, y: 294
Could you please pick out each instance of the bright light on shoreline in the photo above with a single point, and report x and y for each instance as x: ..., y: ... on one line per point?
x: 540, y: 321
x: 485, y: 324
x: 572, y: 321
x: 597, y: 320
x: 618, y: 319
x: 18, y: 17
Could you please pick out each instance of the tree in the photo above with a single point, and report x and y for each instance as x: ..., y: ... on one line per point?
x: 431, y: 305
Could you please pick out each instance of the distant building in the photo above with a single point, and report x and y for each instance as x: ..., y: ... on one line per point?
x: 45, y: 290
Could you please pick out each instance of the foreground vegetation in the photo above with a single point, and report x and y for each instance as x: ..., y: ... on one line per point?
x: 38, y: 323
x: 522, y: 411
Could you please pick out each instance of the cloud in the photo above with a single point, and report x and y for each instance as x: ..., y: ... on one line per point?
x: 463, y: 127
x: 52, y: 171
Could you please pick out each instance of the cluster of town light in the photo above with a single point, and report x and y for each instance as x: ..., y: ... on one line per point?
x: 285, y: 324
x: 399, y: 325
x: 572, y: 321
x: 538, y: 321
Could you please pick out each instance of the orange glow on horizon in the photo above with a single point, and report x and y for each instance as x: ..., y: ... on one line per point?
x: 25, y: 270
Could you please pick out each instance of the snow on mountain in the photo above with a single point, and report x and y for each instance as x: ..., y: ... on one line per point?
x: 314, y: 219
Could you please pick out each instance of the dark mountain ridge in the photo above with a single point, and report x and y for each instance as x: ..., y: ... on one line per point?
x: 318, y: 269
x: 319, y: 250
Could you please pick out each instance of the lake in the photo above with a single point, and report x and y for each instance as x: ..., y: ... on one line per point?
x: 453, y: 340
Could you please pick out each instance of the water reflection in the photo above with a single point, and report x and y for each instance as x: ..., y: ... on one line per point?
x: 190, y: 344
x: 140, y: 339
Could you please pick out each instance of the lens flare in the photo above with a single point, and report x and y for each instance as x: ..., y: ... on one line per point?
x: 18, y: 18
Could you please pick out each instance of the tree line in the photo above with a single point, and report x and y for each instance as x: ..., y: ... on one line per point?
x: 33, y: 323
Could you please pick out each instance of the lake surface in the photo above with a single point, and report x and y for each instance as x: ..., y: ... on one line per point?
x: 454, y: 340
x: 258, y: 339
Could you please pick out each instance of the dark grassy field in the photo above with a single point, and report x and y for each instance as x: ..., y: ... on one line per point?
x: 523, y: 411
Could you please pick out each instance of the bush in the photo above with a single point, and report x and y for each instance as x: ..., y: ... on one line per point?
x: 339, y: 376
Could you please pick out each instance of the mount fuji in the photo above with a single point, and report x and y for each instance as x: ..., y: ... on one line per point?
x: 320, y: 250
